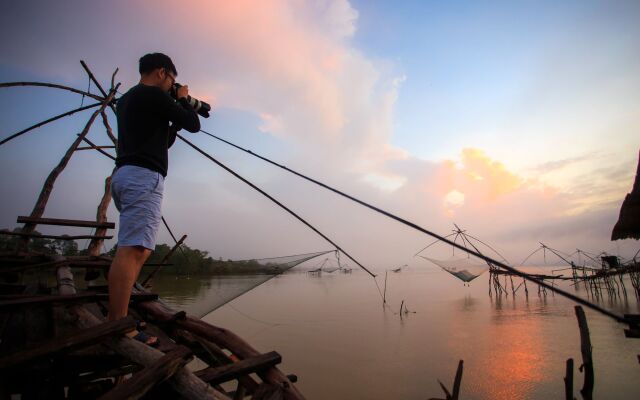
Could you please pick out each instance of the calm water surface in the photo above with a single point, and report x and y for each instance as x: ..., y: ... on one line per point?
x: 333, y: 332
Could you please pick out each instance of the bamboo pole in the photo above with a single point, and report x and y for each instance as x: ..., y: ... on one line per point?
x: 39, y: 124
x: 51, y: 85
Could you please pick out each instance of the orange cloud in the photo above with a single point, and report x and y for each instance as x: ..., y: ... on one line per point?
x: 478, y: 177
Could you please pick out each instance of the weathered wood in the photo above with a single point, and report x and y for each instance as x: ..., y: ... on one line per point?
x: 67, y: 299
x: 93, y: 146
x: 223, y: 338
x: 68, y: 343
x: 107, y: 127
x: 164, y: 259
x: 64, y: 222
x: 95, y: 81
x: 57, y: 237
x: 225, y: 373
x: 101, y: 218
x: 212, y: 354
x: 183, y: 382
x: 568, y: 380
x: 143, y: 381
x: 585, y: 349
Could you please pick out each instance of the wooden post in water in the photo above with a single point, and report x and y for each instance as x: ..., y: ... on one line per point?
x: 568, y: 380
x: 585, y: 349
x: 384, y: 295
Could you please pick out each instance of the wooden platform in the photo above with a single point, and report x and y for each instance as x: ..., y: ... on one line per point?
x: 56, y: 343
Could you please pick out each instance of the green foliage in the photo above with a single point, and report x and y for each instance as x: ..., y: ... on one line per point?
x: 39, y: 245
x: 193, y: 261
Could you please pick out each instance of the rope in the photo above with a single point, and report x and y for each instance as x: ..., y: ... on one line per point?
x: 410, y: 224
x: 232, y: 172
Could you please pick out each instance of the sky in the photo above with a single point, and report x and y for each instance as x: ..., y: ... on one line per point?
x: 517, y: 121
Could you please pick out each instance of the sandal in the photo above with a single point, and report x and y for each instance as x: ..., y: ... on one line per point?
x: 147, y: 339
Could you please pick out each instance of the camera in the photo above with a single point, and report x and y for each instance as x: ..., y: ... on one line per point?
x: 201, y: 107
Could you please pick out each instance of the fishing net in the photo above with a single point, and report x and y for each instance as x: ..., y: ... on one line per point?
x: 237, y: 278
x: 464, y: 269
x: 327, y: 265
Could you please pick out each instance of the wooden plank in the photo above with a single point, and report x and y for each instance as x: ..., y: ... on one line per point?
x: 224, y: 339
x: 59, y: 237
x: 65, y: 222
x: 229, y: 372
x: 151, y: 376
x: 68, y: 343
x: 104, y: 264
x: 75, y: 298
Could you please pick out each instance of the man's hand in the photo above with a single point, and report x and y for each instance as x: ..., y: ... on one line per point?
x: 183, y: 92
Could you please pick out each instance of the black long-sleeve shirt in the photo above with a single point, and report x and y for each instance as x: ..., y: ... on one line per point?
x: 144, y: 137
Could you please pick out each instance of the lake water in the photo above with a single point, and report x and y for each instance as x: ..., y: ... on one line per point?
x: 334, y: 334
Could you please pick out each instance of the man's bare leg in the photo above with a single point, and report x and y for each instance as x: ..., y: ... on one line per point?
x: 123, y: 273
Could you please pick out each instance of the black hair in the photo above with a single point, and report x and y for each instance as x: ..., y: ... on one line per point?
x: 152, y: 61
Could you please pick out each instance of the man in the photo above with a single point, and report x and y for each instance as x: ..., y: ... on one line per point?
x: 144, y: 137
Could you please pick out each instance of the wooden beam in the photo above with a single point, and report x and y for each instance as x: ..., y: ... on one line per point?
x: 224, y: 339
x: 225, y: 373
x: 68, y: 343
x: 158, y: 372
x: 58, y: 237
x: 23, y: 219
x: 95, y: 147
x: 72, y: 298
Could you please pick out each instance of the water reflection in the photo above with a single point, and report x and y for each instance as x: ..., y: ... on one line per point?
x: 333, y: 329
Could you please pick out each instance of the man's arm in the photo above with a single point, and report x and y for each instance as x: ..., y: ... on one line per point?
x: 180, y: 113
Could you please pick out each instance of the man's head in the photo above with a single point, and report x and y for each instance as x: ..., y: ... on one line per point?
x: 157, y: 69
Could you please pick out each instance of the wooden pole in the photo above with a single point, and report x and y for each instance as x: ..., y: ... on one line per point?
x: 223, y: 338
x: 164, y: 260
x: 183, y: 382
x: 585, y: 349
x: 568, y: 380
x: 458, y: 380
x: 101, y: 217
x: 384, y: 295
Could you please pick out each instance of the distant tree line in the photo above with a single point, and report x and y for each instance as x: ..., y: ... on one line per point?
x: 183, y: 261
x: 193, y: 261
x: 40, y: 245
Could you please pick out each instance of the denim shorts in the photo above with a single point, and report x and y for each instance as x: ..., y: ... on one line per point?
x: 137, y: 194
